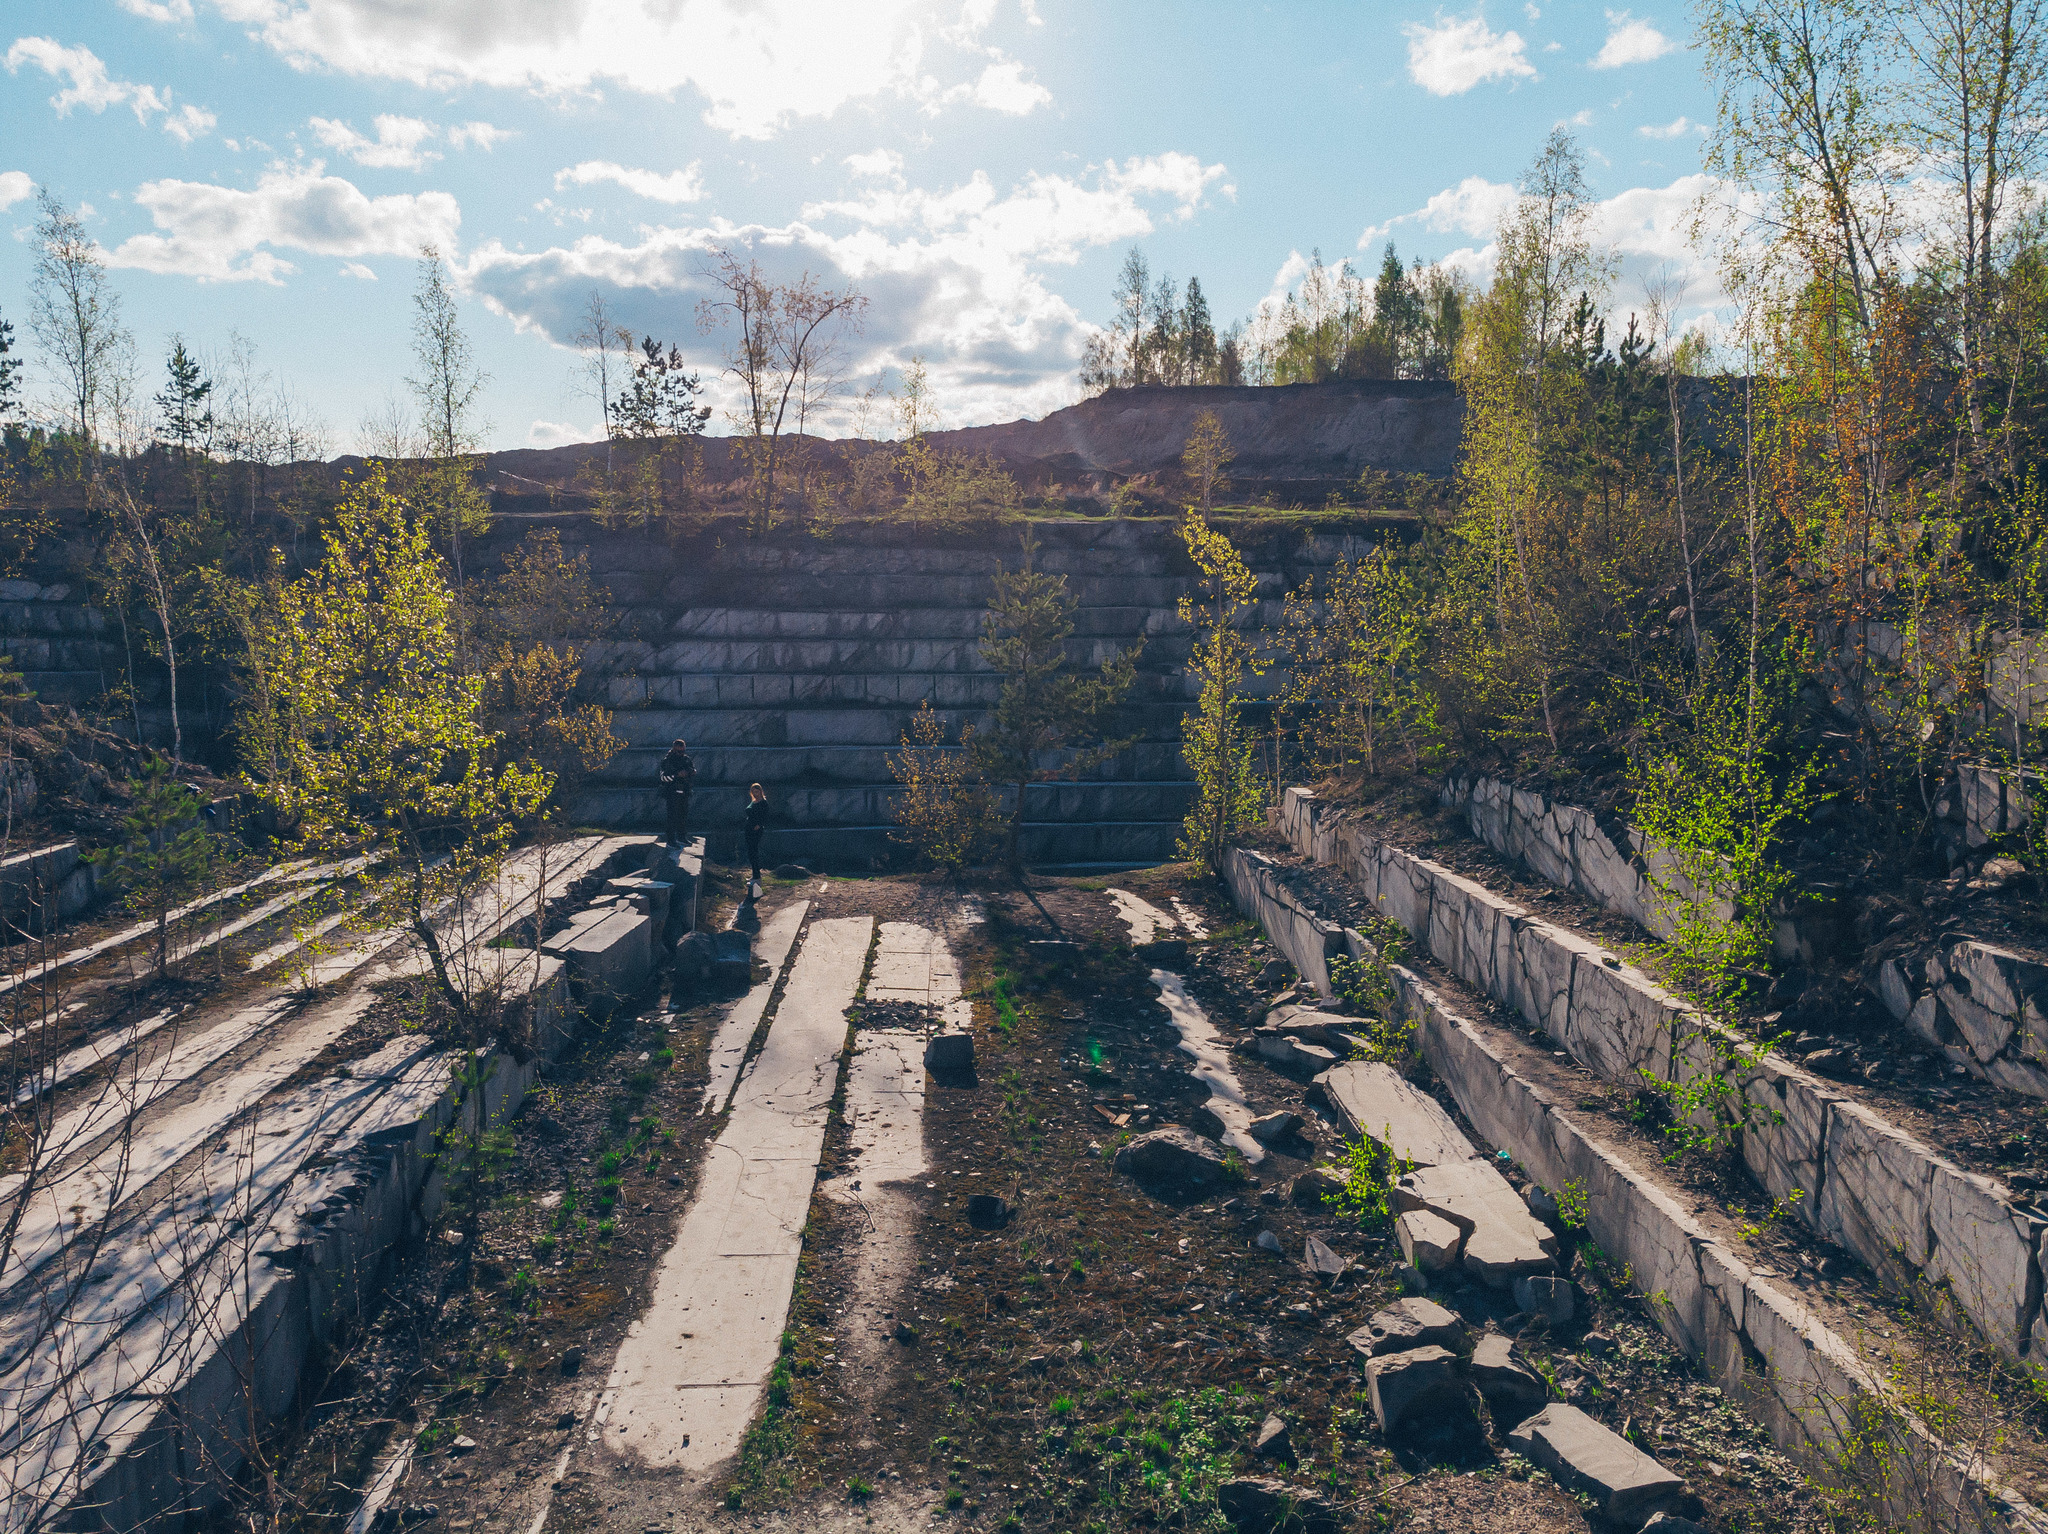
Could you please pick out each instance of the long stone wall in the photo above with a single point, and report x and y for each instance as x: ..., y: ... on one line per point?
x: 1894, y: 1201
x: 1810, y: 1389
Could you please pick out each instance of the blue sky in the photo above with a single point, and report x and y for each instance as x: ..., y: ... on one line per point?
x: 270, y: 167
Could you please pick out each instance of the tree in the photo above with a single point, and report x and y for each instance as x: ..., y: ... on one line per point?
x: 164, y: 848
x: 1206, y: 455
x: 1198, y: 335
x: 1214, y: 741
x: 74, y: 311
x: 1355, y: 650
x: 380, y: 729
x: 447, y: 387
x: 1042, y: 710
x: 945, y: 813
x: 781, y: 348
x: 658, y: 412
x: 607, y: 348
x: 10, y: 376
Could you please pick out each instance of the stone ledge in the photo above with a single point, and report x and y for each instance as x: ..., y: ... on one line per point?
x: 1892, y: 1200
x: 1812, y: 1393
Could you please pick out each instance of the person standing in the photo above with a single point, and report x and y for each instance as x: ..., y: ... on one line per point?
x: 757, y: 823
x: 678, y: 781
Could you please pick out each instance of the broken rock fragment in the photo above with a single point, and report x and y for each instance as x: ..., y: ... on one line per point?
x: 1513, y: 1393
x: 1376, y: 1102
x: 1321, y: 1261
x: 1550, y: 1298
x: 1172, y: 1157
x: 1273, y: 1441
x: 1410, y: 1323
x: 1625, y: 1483
x: 1257, y: 1504
x: 1313, y: 1187
x: 1503, y: 1241
x: 1428, y: 1241
x: 1420, y: 1382
x: 1269, y: 1129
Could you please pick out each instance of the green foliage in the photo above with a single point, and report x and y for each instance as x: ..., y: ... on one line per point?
x: 164, y: 851
x: 944, y: 813
x: 1370, y: 1168
x: 1173, y: 1459
x: 1571, y: 1205
x: 1356, y: 688
x: 1042, y: 711
x: 1215, y: 740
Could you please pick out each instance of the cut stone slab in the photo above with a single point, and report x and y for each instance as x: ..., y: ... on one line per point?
x: 1503, y: 1241
x: 1550, y: 1298
x: 1374, y: 1101
x: 1173, y: 1156
x: 1420, y: 1382
x: 1429, y: 1241
x: 609, y: 960
x: 1512, y: 1392
x: 1257, y: 1504
x: 1405, y: 1324
x: 947, y: 1054
x: 1625, y: 1483
x: 729, y: 1045
x: 1292, y: 1054
x: 690, y: 1373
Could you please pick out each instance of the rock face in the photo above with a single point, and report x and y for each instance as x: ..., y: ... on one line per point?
x: 1376, y: 1102
x: 1421, y: 1382
x: 1407, y: 1324
x: 1503, y: 1241
x: 1172, y: 1157
x: 1625, y: 1483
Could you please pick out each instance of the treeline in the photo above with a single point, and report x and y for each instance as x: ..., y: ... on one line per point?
x: 1406, y: 323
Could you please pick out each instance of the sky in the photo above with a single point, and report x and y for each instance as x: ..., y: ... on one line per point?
x: 267, y: 170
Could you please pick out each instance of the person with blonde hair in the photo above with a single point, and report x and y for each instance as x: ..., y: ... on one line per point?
x: 757, y: 822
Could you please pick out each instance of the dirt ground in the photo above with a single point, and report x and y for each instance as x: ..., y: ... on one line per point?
x: 1103, y: 1361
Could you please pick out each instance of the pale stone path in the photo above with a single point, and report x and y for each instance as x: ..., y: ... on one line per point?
x: 1198, y: 1036
x: 729, y: 1044
x: 690, y: 1374
x: 885, y: 1082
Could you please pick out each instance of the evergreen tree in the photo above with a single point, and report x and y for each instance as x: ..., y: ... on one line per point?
x: 1198, y: 335
x: 1042, y: 710
x: 10, y: 374
x: 187, y: 425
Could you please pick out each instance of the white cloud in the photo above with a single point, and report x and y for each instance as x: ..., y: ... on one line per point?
x: 759, y: 64
x: 483, y: 135
x: 221, y: 234
x: 357, y: 269
x: 562, y: 433
x: 878, y: 164
x: 87, y: 84
x: 1474, y: 207
x: 159, y: 10
x: 15, y: 186
x: 685, y: 185
x: 1451, y: 57
x: 1630, y: 42
x: 1676, y: 128
x: 1583, y: 118
x: 400, y: 143
x: 955, y: 274
x: 1003, y: 88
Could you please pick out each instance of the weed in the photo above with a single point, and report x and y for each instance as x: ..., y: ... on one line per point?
x: 544, y: 1247
x: 1571, y: 1205
x: 606, y: 1229
x: 1780, y: 1207
x: 860, y: 1488
x: 1370, y: 1170
x: 1004, y: 993
x: 1061, y: 1405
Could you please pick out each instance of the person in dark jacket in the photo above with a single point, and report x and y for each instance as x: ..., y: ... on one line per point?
x: 757, y: 822
x: 678, y: 781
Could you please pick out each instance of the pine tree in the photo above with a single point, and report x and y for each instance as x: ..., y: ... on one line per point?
x: 10, y: 375
x: 1198, y: 335
x: 1042, y: 709
x: 187, y: 416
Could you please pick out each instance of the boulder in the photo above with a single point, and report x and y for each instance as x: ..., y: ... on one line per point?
x: 1313, y: 1187
x: 947, y: 1054
x: 1428, y: 1241
x: 1623, y: 1482
x: 1503, y: 1241
x: 1173, y: 1156
x: 1407, y: 1324
x: 1512, y: 1392
x: 1274, y: 1441
x: 1271, y: 1128
x: 1550, y: 1298
x: 1374, y: 1101
x: 1268, y: 1242
x: 790, y: 871
x: 1421, y: 1382
x: 734, y: 969
x: 1540, y: 1201
x: 1289, y: 1053
x: 1671, y: 1523
x: 1257, y: 1504
x: 1273, y: 972
x: 695, y: 961
x: 1165, y: 952
x: 987, y: 1212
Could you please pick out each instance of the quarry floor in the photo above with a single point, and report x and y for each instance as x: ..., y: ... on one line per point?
x: 1101, y: 1361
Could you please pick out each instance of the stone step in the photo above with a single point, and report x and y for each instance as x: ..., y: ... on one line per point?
x: 712, y: 728
x: 870, y: 656
x: 1120, y: 843
x: 912, y: 623
x: 798, y: 808
x: 977, y: 690
x: 1884, y: 1194
x: 835, y: 766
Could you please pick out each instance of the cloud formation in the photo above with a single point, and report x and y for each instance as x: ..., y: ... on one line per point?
x: 87, y: 84
x: 685, y: 185
x: 167, y: 11
x: 400, y: 144
x: 759, y: 64
x: 1678, y: 127
x: 15, y: 186
x: 955, y: 274
x: 1630, y: 42
x: 221, y: 234
x: 1454, y: 55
